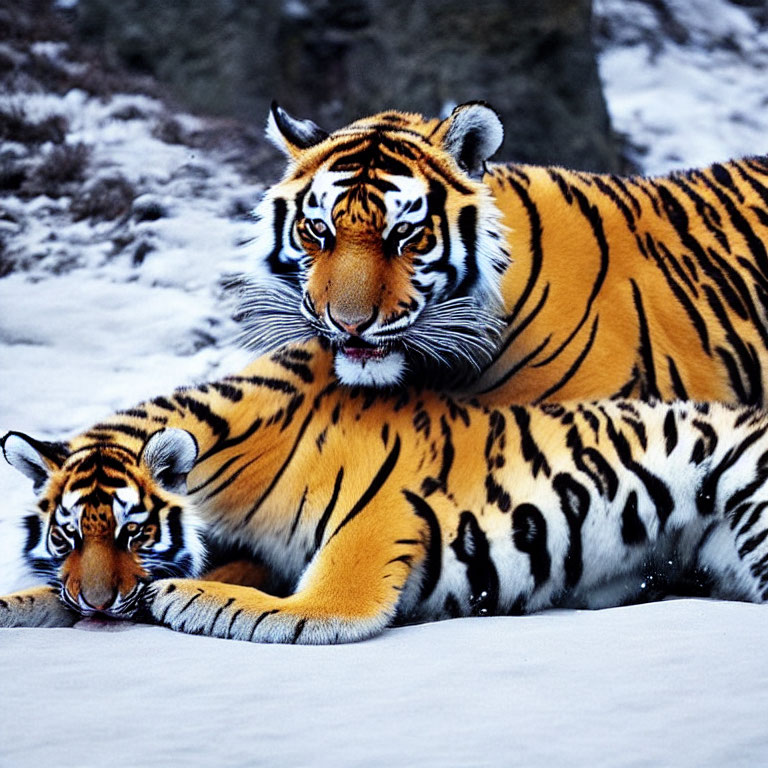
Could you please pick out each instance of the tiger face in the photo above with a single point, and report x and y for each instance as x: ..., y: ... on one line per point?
x: 382, y: 239
x: 109, y: 522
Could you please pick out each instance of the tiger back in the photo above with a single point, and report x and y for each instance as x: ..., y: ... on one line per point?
x: 395, y: 240
x: 387, y: 507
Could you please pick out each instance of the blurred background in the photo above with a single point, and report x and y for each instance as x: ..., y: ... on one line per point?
x: 336, y: 60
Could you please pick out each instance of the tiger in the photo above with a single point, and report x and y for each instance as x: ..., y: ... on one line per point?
x: 397, y: 241
x: 382, y: 508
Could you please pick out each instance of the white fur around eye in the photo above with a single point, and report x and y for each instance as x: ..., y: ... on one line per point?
x: 409, y: 190
x: 69, y: 501
x: 128, y: 497
x: 125, y: 507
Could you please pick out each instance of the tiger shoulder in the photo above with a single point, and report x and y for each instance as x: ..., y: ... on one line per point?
x: 395, y: 239
x: 384, y: 508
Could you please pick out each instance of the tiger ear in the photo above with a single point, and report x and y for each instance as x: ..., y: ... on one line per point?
x: 472, y: 134
x: 290, y: 135
x: 169, y: 455
x: 36, y: 459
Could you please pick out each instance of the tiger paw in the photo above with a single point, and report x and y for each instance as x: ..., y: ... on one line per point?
x: 36, y: 607
x: 242, y: 613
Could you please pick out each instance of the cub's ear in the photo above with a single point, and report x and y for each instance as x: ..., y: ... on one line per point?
x: 169, y: 455
x: 36, y: 459
x: 472, y: 134
x: 290, y: 135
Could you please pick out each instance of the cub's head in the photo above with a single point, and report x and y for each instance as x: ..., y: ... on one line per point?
x: 382, y: 238
x: 108, y: 522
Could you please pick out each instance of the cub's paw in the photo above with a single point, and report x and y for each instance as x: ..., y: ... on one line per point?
x: 36, y: 607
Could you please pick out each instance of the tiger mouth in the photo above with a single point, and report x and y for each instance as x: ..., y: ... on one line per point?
x: 359, y: 350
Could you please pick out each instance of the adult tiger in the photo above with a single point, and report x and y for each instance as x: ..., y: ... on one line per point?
x: 393, y: 239
x: 381, y: 507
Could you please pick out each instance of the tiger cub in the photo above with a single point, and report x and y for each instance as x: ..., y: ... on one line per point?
x: 382, y: 508
x: 394, y: 239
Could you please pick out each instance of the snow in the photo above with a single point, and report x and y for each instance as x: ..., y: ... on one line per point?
x: 100, y: 314
x: 676, y: 683
x: 689, y: 103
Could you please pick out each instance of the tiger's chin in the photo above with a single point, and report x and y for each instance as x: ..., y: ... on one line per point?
x: 378, y: 367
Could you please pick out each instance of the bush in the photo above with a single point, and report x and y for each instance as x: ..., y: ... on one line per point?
x: 106, y: 199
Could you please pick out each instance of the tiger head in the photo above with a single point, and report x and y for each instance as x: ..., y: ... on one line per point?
x: 382, y: 238
x: 108, y: 522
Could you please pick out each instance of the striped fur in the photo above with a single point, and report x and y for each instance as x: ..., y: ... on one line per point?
x: 109, y: 520
x: 381, y: 508
x: 599, y: 286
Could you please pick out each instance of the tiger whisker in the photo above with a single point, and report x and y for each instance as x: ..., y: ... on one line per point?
x: 270, y: 316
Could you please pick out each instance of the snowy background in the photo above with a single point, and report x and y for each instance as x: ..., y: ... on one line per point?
x: 120, y: 221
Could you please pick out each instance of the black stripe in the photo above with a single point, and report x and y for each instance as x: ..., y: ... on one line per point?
x: 705, y: 498
x: 529, y: 534
x: 616, y: 200
x: 753, y: 518
x: 706, y: 444
x: 215, y: 476
x: 323, y: 522
x: 632, y: 528
x: 695, y: 317
x: 220, y: 611
x: 280, y: 472
x: 227, y: 391
x: 302, y: 370
x: 468, y: 235
x: 568, y: 375
x: 472, y: 548
x: 231, y: 479
x: 431, y: 484
x: 677, y: 383
x: 722, y: 176
x: 592, y: 214
x: 276, y: 265
x: 752, y: 543
x: 656, y: 488
x: 278, y: 385
x: 163, y: 403
x: 378, y: 481
x: 299, y: 629
x: 574, y: 503
x: 436, y: 198
x: 531, y: 451
x: 594, y: 464
x: 535, y: 227
x: 745, y: 352
x: 650, y: 390
x: 202, y: 412
x: 670, y: 432
x: 297, y: 517
x: 261, y: 618
x: 123, y: 429
x: 433, y: 559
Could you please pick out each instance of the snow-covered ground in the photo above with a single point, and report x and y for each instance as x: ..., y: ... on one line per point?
x: 679, y: 684
x: 99, y: 309
x: 686, y: 81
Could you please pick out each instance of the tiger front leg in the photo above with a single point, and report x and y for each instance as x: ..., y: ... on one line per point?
x: 35, y: 607
x: 349, y: 592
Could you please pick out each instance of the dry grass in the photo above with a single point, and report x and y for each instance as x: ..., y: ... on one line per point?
x: 106, y: 199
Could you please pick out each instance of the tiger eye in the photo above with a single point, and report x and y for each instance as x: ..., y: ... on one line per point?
x: 132, y: 527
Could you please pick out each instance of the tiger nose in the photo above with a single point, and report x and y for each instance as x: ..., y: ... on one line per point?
x: 352, y: 322
x: 98, y: 597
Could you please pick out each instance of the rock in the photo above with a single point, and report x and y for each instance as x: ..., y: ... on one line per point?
x: 336, y: 60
